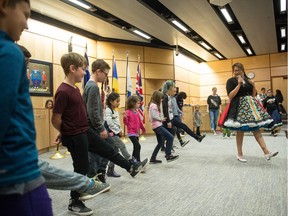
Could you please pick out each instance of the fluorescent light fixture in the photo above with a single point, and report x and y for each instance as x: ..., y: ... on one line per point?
x: 81, y: 4
x: 283, y: 46
x: 249, y: 51
x: 283, y: 6
x: 226, y: 15
x: 141, y: 34
x: 218, y: 55
x: 204, y: 45
x: 283, y: 32
x: 179, y: 25
x: 241, y: 38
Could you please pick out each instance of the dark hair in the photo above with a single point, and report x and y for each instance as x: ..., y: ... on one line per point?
x: 12, y: 3
x: 49, y: 100
x: 25, y: 51
x: 131, y: 101
x: 111, y: 97
x: 182, y: 96
x: 240, y: 65
x: 100, y: 64
x: 263, y: 89
x: 156, y: 98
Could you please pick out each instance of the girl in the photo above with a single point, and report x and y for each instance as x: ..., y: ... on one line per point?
x: 156, y: 120
x: 133, y: 122
x: 49, y: 104
x: 113, y: 125
x: 197, y: 119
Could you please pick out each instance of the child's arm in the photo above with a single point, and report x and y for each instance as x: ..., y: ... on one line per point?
x: 126, y: 117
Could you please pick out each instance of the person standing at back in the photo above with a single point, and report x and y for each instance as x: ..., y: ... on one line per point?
x: 22, y: 188
x: 213, y: 107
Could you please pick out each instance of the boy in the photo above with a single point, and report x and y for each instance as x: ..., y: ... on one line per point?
x: 59, y: 179
x: 22, y: 188
x: 70, y: 119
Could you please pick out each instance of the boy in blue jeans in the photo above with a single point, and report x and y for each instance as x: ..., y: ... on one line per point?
x: 22, y: 188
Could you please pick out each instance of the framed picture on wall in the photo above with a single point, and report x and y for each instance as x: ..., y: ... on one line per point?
x: 40, y: 76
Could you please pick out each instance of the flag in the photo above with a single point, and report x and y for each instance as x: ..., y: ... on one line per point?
x: 139, y: 92
x: 87, y: 75
x: 115, y: 86
x: 128, y: 81
x: 104, y: 91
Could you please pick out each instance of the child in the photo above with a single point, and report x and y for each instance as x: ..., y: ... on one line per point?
x: 156, y: 120
x: 70, y: 119
x: 49, y: 104
x: 133, y: 122
x: 113, y: 126
x: 226, y: 132
x: 22, y: 188
x: 197, y: 120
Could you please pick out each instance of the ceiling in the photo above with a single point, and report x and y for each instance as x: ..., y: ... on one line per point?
x: 113, y: 19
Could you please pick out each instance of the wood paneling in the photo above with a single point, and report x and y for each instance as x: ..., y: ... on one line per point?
x: 215, y: 79
x: 182, y: 75
x: 279, y: 71
x: 220, y: 66
x: 278, y: 59
x: 161, y: 56
x: 261, y: 74
x: 262, y: 61
x: 41, y: 120
x: 262, y: 84
x: 159, y: 71
x: 152, y: 85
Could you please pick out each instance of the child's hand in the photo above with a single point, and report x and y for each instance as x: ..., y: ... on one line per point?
x: 104, y: 134
x: 124, y: 114
x: 57, y: 140
x: 169, y: 125
x: 164, y: 119
x: 120, y: 134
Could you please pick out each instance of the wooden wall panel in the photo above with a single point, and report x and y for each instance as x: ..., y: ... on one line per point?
x: 261, y: 74
x: 279, y: 71
x: 41, y: 120
x: 183, y: 86
x: 262, y: 61
x: 194, y: 78
x: 278, y: 59
x: 215, y: 79
x: 152, y: 85
x: 220, y: 66
x: 159, y: 71
x: 261, y: 84
x: 182, y: 75
x: 194, y: 90
x: 161, y: 56
x: 105, y: 50
x: 40, y: 47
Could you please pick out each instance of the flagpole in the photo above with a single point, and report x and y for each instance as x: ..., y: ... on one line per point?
x: 124, y: 133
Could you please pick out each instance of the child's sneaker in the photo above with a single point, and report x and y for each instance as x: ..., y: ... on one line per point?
x: 200, y: 138
x: 77, y: 207
x: 137, y: 167
x: 155, y: 161
x: 94, y: 189
x: 270, y: 155
x: 171, y: 158
x: 184, y: 143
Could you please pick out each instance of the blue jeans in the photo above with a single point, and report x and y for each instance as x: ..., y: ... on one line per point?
x: 213, y: 113
x: 59, y: 179
x: 161, y: 132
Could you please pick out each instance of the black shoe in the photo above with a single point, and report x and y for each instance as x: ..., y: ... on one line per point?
x: 171, y: 158
x: 111, y: 172
x: 183, y: 143
x: 77, y: 207
x: 200, y: 138
x: 163, y: 149
x: 137, y: 167
x: 155, y: 161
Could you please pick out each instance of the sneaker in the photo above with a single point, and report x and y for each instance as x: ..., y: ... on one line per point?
x: 270, y: 155
x: 155, y: 161
x: 100, y: 177
x: 200, y: 138
x: 137, y: 167
x: 77, y: 207
x: 215, y: 133
x: 171, y: 158
x: 94, y: 189
x: 182, y: 133
x: 184, y: 143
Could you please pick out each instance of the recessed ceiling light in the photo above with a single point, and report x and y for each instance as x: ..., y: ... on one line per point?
x: 283, y: 46
x: 249, y: 51
x: 241, y: 38
x: 141, y: 34
x: 283, y: 6
x: 179, y: 25
x: 218, y: 55
x: 283, y: 32
x: 226, y: 15
x: 204, y: 45
x: 81, y: 4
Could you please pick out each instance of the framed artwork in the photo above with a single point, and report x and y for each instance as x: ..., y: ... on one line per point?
x: 40, y: 76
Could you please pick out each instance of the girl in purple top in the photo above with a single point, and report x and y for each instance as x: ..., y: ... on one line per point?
x: 133, y: 122
x: 156, y: 118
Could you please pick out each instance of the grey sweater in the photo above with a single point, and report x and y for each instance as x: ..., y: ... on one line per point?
x: 92, y: 98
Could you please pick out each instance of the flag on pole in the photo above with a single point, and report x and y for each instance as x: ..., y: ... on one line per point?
x: 87, y: 75
x: 128, y: 80
x: 139, y: 92
x: 115, y: 86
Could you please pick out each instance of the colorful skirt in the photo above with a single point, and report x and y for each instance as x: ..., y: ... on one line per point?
x: 250, y: 116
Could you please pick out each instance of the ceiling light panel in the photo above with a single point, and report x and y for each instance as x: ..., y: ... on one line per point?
x: 226, y: 15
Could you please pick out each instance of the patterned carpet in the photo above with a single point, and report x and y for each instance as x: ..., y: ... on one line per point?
x: 206, y: 180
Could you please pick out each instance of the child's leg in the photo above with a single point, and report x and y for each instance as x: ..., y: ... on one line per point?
x: 159, y: 144
x: 136, y: 147
x: 119, y: 144
x: 198, y: 131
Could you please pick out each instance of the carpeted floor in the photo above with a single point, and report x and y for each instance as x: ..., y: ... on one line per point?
x: 206, y: 180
